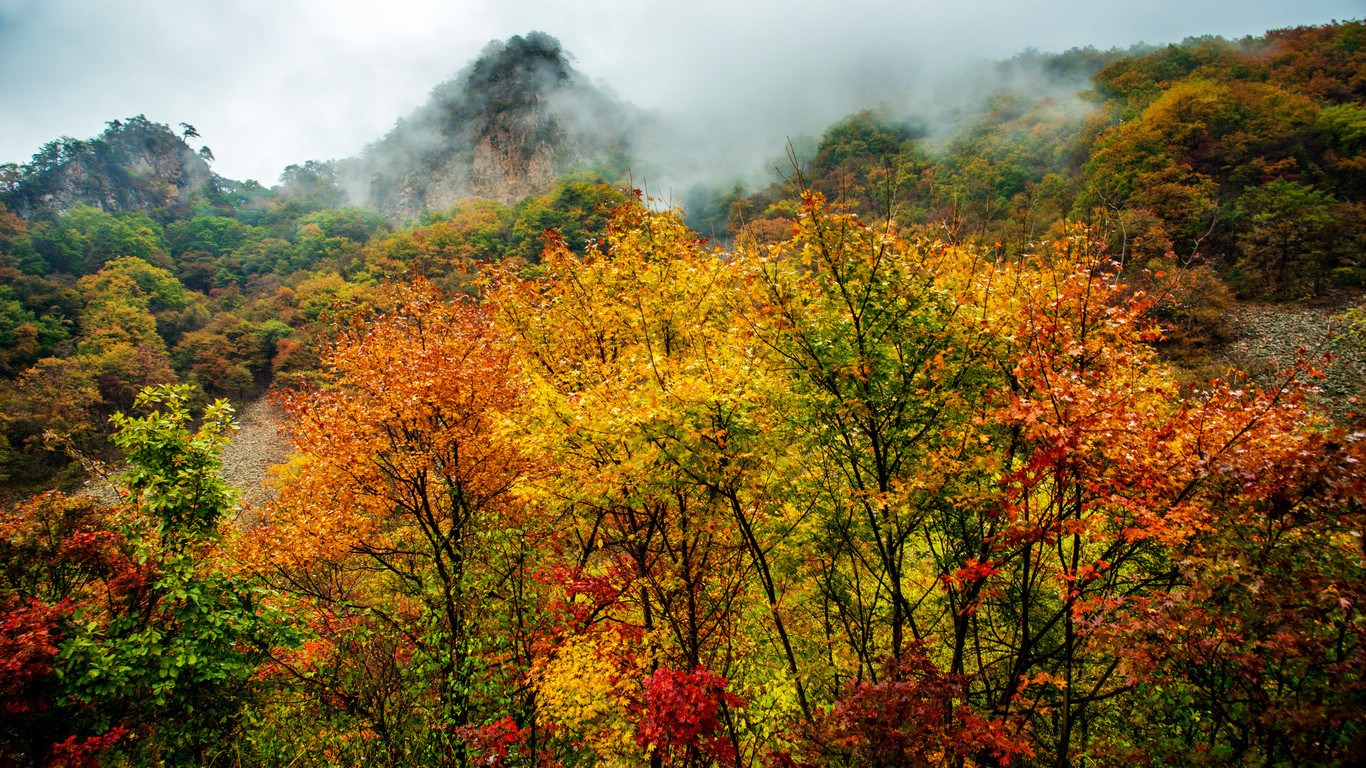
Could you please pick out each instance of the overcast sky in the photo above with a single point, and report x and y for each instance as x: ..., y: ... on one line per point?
x: 273, y: 82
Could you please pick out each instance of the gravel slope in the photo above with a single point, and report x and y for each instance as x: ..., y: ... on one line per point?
x: 261, y: 442
x: 1271, y: 337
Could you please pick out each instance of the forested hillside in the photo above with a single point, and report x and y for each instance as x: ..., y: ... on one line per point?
x: 917, y: 458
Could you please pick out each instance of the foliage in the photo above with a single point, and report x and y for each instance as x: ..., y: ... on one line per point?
x: 684, y: 714
x: 895, y: 480
x: 993, y: 476
x: 911, y: 717
x: 133, y: 638
x: 175, y: 472
x: 402, y: 470
x: 84, y: 239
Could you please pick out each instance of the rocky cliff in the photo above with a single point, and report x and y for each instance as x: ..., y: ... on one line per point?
x: 135, y: 164
x: 504, y: 128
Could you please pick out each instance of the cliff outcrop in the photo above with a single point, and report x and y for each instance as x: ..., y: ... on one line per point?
x: 135, y: 164
x: 504, y: 128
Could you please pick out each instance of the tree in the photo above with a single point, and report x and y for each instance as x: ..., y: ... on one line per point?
x: 399, y: 523
x: 865, y: 336
x: 638, y: 407
x: 1285, y: 248
x: 578, y: 208
x: 994, y: 448
x: 84, y: 239
x: 145, y: 643
x: 844, y: 499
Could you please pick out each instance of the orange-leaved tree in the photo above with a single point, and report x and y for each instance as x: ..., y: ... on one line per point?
x: 398, y: 535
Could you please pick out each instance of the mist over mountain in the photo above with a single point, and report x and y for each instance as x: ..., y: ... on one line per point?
x: 504, y: 128
x: 520, y: 115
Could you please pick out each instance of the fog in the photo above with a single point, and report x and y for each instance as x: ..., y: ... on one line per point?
x: 268, y: 83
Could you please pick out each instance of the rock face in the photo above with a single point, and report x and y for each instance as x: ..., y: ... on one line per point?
x: 134, y: 165
x: 504, y: 128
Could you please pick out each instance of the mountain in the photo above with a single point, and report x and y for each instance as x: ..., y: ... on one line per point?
x: 504, y: 128
x: 136, y: 164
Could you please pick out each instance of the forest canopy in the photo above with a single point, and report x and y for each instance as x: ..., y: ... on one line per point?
x: 846, y: 499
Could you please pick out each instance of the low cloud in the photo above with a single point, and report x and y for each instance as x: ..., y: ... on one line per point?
x: 274, y: 82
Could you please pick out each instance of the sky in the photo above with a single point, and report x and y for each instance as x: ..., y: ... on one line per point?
x: 267, y: 83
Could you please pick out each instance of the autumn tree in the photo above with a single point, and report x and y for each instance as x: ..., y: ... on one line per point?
x: 397, y: 527
x: 994, y: 448
x: 844, y: 499
x: 639, y: 400
x: 1252, y: 654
